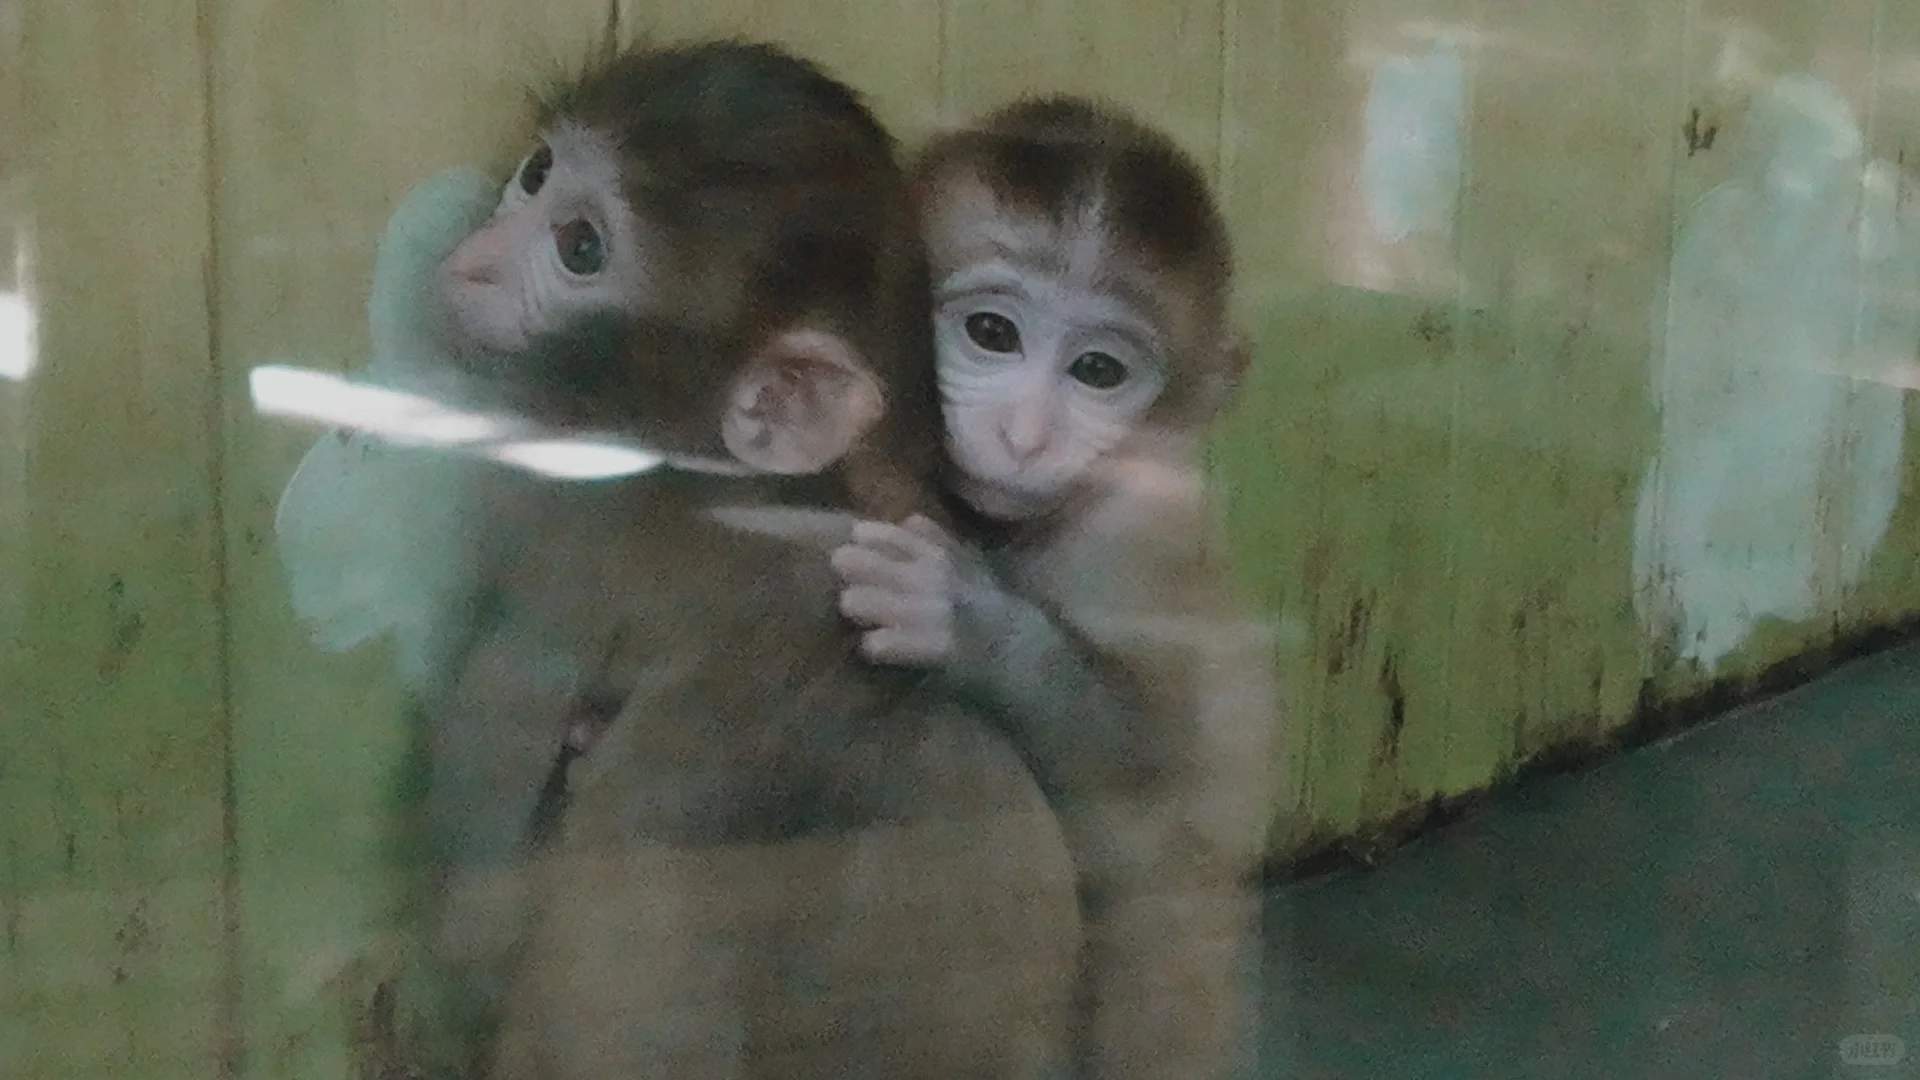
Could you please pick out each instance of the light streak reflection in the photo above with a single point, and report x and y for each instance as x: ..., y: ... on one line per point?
x: 17, y: 345
x: 409, y: 419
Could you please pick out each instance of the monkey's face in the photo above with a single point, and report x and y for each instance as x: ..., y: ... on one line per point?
x: 565, y: 248
x: 562, y: 243
x: 1052, y: 346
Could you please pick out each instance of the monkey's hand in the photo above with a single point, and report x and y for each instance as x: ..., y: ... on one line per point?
x: 911, y: 586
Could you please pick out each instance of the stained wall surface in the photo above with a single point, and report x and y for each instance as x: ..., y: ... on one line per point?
x: 1583, y: 337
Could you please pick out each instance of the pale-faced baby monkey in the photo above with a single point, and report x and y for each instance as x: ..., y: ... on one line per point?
x: 1081, y: 276
x: 774, y: 859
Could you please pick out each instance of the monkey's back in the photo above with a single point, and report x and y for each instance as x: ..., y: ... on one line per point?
x: 939, y: 942
x: 713, y: 656
x: 779, y: 860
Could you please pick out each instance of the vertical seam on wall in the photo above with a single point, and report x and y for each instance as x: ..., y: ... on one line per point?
x: 942, y: 88
x: 1286, y: 768
x: 1655, y: 488
x: 1224, y: 68
x: 1456, y: 360
x: 1831, y: 561
x: 1225, y: 60
x: 231, y: 1040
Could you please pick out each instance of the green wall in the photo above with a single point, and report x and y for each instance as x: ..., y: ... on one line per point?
x: 1582, y: 332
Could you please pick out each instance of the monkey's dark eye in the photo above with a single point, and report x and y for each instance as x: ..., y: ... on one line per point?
x: 581, y: 251
x: 533, y: 175
x: 994, y: 333
x: 1098, y: 370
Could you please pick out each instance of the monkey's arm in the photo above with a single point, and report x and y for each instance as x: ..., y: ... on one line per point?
x: 1165, y: 851
x: 1145, y: 718
x: 1173, y: 930
x: 928, y: 603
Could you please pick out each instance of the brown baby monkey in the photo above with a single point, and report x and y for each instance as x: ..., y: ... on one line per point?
x: 771, y: 859
x: 1081, y: 275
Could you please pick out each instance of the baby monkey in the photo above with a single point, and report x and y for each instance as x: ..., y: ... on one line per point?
x: 711, y: 254
x: 1081, y: 273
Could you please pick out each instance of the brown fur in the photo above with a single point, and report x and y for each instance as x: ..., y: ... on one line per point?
x: 776, y: 861
x: 1149, y: 724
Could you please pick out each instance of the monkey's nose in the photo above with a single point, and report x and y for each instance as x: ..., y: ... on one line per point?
x: 1023, y: 442
x: 481, y: 258
x: 471, y: 271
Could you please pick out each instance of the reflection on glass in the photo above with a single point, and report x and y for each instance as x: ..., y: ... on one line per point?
x: 1395, y: 185
x: 391, y: 414
x: 1416, y: 108
x: 16, y: 336
x: 406, y: 419
x: 575, y: 459
x: 1779, y: 465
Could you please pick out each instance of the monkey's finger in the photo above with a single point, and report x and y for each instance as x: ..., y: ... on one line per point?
x: 860, y: 565
x: 903, y: 648
x: 923, y: 526
x: 886, y: 537
x: 870, y: 606
x: 930, y: 578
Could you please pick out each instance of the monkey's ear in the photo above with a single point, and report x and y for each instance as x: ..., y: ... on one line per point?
x: 800, y: 403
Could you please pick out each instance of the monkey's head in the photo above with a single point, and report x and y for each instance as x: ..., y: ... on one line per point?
x: 1081, y: 274
x: 709, y: 251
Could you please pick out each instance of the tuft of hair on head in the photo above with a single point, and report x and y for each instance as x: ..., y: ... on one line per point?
x: 1061, y: 153
x: 548, y: 96
x: 1059, y: 156
x: 687, y: 84
x: 743, y: 140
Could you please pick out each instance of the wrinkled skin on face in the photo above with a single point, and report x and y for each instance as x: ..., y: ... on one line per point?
x: 565, y: 250
x: 560, y: 243
x: 1048, y: 355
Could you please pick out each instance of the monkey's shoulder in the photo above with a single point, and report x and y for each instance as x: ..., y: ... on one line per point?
x: 647, y: 560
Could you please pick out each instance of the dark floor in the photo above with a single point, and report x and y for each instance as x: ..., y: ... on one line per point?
x: 1736, y: 902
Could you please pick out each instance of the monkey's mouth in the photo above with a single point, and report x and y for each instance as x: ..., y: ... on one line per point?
x: 1000, y: 500
x: 472, y: 321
